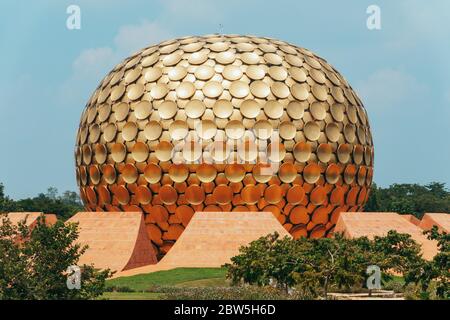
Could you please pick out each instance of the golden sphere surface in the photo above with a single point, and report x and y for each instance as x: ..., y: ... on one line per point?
x: 193, y: 124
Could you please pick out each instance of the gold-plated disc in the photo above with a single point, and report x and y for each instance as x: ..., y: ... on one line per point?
x: 239, y: 89
x: 273, y: 109
x: 234, y: 172
x: 223, y: 108
x: 250, y: 108
x: 311, y: 173
x: 259, y: 89
x: 178, y: 130
x: 178, y: 172
x: 152, y: 130
x: 140, y: 151
x: 302, y: 151
x: 142, y: 109
x: 152, y: 173
x: 287, y: 130
x: 312, y: 130
x: 164, y: 151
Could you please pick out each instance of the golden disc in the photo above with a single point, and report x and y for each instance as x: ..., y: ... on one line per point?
x: 250, y: 108
x: 223, y: 194
x: 152, y: 130
x: 152, y: 173
x: 178, y: 130
x: 223, y: 108
x: 168, y: 194
x: 178, y: 172
x: 273, y: 109
x: 302, y: 151
x: 212, y: 89
x: 195, y: 194
x: 194, y: 109
x: 234, y: 172
x: 206, y: 172
x: 142, y: 109
x: 250, y: 194
x: 164, y: 151
x: 311, y: 173
x: 140, y: 151
x: 168, y: 109
x: 129, y: 173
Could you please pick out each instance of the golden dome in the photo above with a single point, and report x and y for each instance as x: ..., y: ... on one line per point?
x: 225, y: 123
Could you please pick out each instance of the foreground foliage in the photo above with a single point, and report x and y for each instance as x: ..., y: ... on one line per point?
x: 33, y: 264
x: 432, y: 278
x: 315, y: 266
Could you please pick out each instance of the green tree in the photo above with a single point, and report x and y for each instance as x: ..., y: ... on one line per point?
x: 6, y: 204
x: 314, y: 266
x: 33, y: 263
x: 410, y: 198
x: 436, y: 271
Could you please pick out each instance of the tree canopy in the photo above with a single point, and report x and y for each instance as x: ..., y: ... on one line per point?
x: 64, y: 206
x: 34, y: 263
x: 413, y: 199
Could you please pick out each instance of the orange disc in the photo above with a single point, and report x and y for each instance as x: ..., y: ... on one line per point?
x: 195, y: 194
x: 168, y: 194
x: 143, y: 195
x: 311, y: 173
x: 318, y: 195
x: 287, y: 172
x: 250, y: 194
x: 159, y: 214
x: 212, y: 208
x: 235, y: 172
x: 122, y: 195
x: 299, y: 215
x: 184, y: 213
x: 295, y: 194
x: 91, y: 195
x: 320, y: 215
x: 104, y: 197
x: 223, y: 194
x: 154, y: 233
x: 337, y: 196
x: 318, y: 232
x: 273, y: 194
x: 299, y: 231
x: 352, y: 195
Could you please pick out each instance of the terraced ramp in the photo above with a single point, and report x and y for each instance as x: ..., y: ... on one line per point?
x: 212, y: 238
x: 30, y: 218
x: 371, y: 224
x: 116, y: 240
x: 441, y: 220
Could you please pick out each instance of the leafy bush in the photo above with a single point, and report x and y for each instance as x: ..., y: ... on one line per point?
x: 432, y: 278
x: 33, y: 263
x: 314, y: 266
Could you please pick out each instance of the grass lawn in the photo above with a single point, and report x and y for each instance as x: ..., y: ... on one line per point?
x: 131, y: 295
x: 187, y: 277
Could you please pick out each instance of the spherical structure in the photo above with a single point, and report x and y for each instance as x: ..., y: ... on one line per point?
x: 225, y: 123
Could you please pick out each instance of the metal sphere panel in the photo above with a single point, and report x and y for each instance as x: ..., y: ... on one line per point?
x: 188, y: 125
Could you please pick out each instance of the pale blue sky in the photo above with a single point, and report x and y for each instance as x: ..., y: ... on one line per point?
x: 402, y: 72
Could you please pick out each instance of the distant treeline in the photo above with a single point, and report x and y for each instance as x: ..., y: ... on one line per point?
x: 64, y: 206
x: 404, y: 198
x: 413, y: 199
